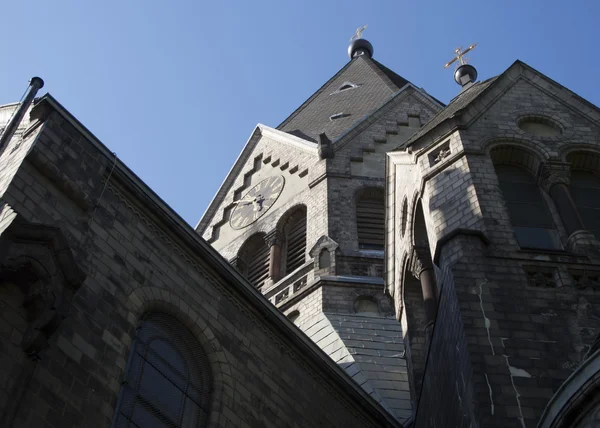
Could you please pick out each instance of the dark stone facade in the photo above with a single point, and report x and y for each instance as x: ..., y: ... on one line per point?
x: 455, y: 324
x: 86, y: 250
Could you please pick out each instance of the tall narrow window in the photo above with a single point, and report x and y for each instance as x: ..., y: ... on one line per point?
x: 167, y: 380
x: 585, y: 190
x: 253, y: 260
x: 295, y: 240
x: 370, y: 219
x: 530, y: 217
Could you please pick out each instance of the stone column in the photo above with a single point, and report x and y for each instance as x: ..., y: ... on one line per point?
x: 555, y: 179
x: 274, y: 240
x: 422, y: 269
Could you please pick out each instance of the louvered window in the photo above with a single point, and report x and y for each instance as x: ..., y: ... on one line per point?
x: 167, y: 379
x: 295, y: 237
x: 253, y: 260
x: 530, y: 217
x: 370, y: 220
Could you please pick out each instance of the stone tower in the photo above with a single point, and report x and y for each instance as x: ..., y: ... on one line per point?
x: 302, y: 214
x: 494, y: 204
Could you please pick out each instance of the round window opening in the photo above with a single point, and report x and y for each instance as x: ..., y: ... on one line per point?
x: 539, y: 126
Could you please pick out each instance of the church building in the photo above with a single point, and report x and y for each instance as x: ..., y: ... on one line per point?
x: 379, y: 259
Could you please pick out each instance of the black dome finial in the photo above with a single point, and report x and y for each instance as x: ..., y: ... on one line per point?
x: 358, y: 45
x: 465, y: 73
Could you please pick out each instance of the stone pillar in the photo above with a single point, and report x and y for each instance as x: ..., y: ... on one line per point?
x: 555, y: 179
x: 274, y: 241
x: 422, y: 268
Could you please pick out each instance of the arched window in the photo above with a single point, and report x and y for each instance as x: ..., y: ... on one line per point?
x: 585, y: 188
x: 529, y: 215
x: 293, y: 316
x: 324, y: 258
x: 294, y: 233
x: 366, y: 305
x: 370, y: 219
x: 253, y: 260
x: 167, y: 379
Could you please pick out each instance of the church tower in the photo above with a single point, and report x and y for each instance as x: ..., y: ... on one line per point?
x: 302, y: 215
x: 493, y: 247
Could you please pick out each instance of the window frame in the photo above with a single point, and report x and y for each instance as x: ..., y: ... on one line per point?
x: 194, y: 407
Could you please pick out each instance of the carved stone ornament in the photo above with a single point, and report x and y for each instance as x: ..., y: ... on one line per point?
x: 420, y: 261
x: 443, y: 154
x: 37, y: 259
x: 552, y: 173
x: 583, y: 279
x: 540, y: 277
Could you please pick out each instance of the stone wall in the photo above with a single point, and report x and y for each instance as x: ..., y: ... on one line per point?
x: 512, y: 323
x: 138, y: 256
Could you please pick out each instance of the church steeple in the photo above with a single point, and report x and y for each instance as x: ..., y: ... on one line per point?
x: 354, y: 92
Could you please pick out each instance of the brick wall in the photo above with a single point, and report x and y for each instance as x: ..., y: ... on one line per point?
x: 512, y: 324
x: 136, y: 259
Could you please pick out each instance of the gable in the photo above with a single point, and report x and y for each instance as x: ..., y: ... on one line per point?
x: 333, y: 109
x: 361, y: 151
x: 478, y: 99
x: 268, y: 153
x: 525, y: 111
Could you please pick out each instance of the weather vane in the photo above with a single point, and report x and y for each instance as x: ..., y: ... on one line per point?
x: 459, y: 56
x: 358, y: 33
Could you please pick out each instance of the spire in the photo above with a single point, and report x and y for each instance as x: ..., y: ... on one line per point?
x: 359, y: 46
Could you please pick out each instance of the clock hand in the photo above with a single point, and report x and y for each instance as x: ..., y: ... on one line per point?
x: 244, y: 199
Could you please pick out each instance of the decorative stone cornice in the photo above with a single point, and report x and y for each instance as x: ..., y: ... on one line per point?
x: 554, y: 172
x: 420, y: 261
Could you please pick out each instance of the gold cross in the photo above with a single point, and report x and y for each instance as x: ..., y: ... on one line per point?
x: 459, y: 56
x: 358, y: 34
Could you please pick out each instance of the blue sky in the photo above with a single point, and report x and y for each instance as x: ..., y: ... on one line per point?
x: 176, y: 87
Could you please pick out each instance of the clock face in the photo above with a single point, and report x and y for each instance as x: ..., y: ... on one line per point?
x: 256, y: 202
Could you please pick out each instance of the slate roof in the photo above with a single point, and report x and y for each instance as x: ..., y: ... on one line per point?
x: 459, y: 103
x: 370, y: 350
x: 376, y: 83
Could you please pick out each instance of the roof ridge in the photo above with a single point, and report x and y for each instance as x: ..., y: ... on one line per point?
x: 390, y: 75
x: 458, y: 103
x: 375, y: 66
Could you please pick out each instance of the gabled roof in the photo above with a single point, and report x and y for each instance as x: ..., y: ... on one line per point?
x: 220, y: 270
x: 376, y: 83
x: 469, y: 97
x: 460, y: 102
